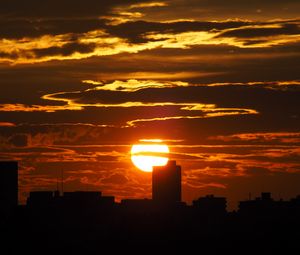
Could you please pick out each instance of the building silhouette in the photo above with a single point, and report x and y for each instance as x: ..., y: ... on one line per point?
x: 137, y: 205
x: 40, y: 198
x: 9, y: 185
x: 166, y: 183
x: 262, y: 205
x: 87, y: 199
x: 210, y: 205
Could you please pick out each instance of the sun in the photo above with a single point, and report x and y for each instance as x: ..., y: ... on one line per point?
x: 149, y: 153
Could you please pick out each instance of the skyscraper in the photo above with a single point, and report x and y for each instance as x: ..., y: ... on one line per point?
x: 166, y: 183
x: 8, y: 184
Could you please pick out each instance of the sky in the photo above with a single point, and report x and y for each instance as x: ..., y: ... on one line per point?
x: 218, y: 81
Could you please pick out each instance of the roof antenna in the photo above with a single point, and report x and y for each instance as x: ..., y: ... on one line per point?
x: 57, y: 184
x: 62, y: 182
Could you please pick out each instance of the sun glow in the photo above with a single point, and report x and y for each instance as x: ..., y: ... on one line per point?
x: 147, y: 155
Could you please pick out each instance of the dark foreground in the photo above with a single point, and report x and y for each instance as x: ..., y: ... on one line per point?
x: 84, y: 230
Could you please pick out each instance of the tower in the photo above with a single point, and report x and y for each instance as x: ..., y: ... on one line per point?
x: 8, y: 185
x: 166, y: 183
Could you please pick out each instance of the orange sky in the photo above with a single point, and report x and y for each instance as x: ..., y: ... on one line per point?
x: 218, y: 80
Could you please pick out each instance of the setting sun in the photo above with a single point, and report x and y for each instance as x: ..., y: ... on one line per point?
x: 146, y: 155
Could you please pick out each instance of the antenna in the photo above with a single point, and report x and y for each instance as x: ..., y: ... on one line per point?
x: 57, y: 184
x: 62, y: 182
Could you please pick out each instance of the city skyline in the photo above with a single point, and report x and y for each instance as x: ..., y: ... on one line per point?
x: 217, y: 81
x: 166, y: 193
x: 85, y: 222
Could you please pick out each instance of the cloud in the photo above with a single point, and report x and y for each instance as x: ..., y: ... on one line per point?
x: 263, y: 31
x: 7, y: 124
x: 202, y: 185
x: 213, y: 112
x: 47, y: 135
x: 65, y: 50
x: 133, y: 93
x: 136, y: 31
x: 186, y: 101
x: 62, y: 47
x: 188, y: 39
x: 19, y: 140
x: 148, y: 5
x: 216, y: 9
x: 262, y: 138
x: 36, y: 108
x: 34, y: 28
x: 57, y: 9
x: 95, y: 98
x: 135, y: 85
x: 215, y: 168
x: 216, y: 109
x: 116, y: 179
x: 134, y: 37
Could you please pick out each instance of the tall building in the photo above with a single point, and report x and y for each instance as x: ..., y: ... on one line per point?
x: 166, y: 183
x: 8, y: 184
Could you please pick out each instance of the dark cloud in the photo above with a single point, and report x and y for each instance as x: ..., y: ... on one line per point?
x: 134, y: 31
x: 271, y: 118
x: 65, y: 50
x: 285, y: 29
x: 255, y: 171
x: 237, y: 3
x: 19, y: 140
x: 261, y: 138
x: 118, y: 179
x: 59, y: 9
x: 9, y: 56
x: 60, y: 42
x: 215, y: 9
x: 259, y: 97
x: 34, y: 135
x: 20, y: 28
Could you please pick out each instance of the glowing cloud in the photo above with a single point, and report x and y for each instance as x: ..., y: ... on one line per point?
x: 135, y: 85
x: 103, y: 43
x: 217, y: 112
x: 7, y: 124
x: 148, y: 5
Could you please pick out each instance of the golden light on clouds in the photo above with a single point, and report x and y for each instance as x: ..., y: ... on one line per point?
x: 135, y: 85
x: 148, y: 5
x: 186, y: 40
x: 101, y: 42
x: 206, y: 113
x: 92, y: 82
x: 79, y: 100
x: 38, y: 108
x: 7, y: 124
